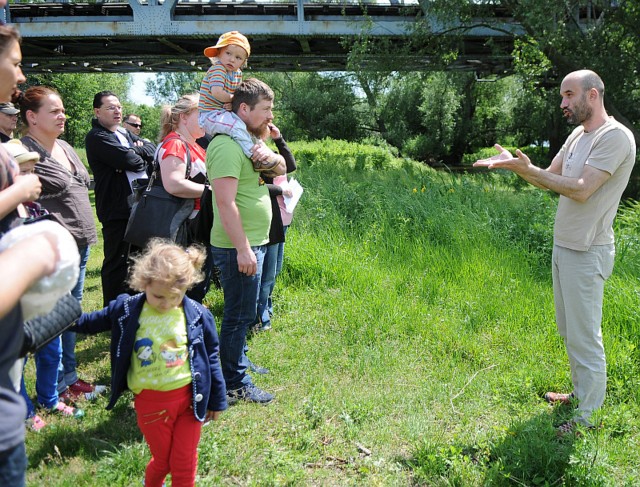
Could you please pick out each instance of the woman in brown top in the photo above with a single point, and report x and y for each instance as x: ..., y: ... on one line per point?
x: 65, y: 194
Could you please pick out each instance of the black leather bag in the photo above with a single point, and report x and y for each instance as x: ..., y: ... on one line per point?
x: 41, y: 330
x: 158, y: 213
x: 200, y: 226
x: 138, y: 187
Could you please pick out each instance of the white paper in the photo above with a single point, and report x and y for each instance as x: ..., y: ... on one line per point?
x: 290, y: 202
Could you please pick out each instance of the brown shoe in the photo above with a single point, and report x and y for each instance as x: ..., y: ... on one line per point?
x: 559, y: 398
x: 568, y: 428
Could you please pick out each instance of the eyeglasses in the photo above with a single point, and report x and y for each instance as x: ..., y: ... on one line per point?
x: 113, y: 108
x: 136, y: 125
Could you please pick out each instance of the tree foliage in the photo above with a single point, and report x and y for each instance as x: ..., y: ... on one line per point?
x: 311, y: 106
x: 168, y: 87
x: 564, y: 36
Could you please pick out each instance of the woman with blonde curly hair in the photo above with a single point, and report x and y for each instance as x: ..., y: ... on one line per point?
x: 165, y: 349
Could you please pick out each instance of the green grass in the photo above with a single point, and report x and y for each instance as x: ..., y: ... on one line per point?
x: 413, y: 339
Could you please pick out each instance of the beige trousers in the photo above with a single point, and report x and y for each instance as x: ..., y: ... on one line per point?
x: 578, y: 290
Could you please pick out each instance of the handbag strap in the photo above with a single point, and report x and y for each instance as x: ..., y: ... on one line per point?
x: 156, y: 162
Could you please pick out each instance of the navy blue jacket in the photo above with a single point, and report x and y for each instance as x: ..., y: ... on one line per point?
x: 121, y: 317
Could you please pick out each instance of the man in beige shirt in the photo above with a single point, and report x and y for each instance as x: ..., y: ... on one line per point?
x: 589, y: 173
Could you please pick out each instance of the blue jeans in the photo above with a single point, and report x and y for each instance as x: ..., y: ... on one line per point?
x: 47, y: 362
x: 240, y: 304
x: 67, y: 374
x: 13, y: 466
x: 267, y: 283
x: 279, y: 261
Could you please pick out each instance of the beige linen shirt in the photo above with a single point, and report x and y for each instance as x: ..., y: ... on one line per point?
x: 610, y: 148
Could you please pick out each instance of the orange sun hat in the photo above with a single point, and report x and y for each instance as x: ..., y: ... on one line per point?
x: 228, y: 38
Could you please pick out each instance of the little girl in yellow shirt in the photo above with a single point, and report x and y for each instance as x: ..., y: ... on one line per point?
x: 165, y: 349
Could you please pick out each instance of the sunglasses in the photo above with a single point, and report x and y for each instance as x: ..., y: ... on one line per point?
x: 136, y: 125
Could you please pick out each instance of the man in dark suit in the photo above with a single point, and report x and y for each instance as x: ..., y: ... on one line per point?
x: 116, y: 157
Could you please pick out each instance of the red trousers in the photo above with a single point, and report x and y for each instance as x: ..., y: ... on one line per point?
x: 172, y: 432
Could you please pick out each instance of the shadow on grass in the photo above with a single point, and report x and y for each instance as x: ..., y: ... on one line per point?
x: 526, y: 453
x: 531, y: 452
x: 92, y: 274
x: 69, y: 438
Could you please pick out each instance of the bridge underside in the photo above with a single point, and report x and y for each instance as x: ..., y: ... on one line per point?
x: 178, y: 54
x: 170, y: 37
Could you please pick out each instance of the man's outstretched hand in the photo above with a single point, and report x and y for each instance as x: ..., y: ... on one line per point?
x: 505, y: 160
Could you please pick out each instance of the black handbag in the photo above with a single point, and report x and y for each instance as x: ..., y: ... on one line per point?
x: 200, y: 226
x: 41, y: 330
x: 158, y: 213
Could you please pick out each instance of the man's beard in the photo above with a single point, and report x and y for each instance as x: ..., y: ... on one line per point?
x: 580, y: 113
x: 261, y: 132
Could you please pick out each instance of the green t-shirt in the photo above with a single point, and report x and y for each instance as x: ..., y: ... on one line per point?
x: 160, y: 357
x: 226, y: 159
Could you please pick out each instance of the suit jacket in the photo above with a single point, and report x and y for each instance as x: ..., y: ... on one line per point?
x: 109, y: 160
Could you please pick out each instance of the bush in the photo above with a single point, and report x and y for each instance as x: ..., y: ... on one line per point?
x: 343, y: 155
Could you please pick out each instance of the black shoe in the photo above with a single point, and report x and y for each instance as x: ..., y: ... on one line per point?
x: 257, y: 369
x: 249, y: 393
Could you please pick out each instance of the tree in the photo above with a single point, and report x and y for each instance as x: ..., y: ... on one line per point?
x: 315, y: 105
x: 168, y: 87
x: 441, y: 102
x: 598, y: 34
x: 398, y: 107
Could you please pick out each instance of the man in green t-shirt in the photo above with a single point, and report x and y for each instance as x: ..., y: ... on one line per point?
x: 589, y: 173
x: 242, y: 216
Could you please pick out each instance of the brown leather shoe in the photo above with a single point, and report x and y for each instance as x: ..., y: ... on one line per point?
x: 568, y: 428
x: 559, y: 398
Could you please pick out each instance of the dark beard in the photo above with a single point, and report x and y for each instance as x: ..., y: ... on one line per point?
x: 581, y: 113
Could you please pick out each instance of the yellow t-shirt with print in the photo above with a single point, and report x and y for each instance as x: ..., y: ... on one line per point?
x: 160, y: 355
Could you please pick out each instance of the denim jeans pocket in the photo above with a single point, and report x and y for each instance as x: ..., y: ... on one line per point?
x: 222, y: 259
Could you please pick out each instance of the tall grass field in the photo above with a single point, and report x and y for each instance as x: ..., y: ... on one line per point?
x: 413, y: 339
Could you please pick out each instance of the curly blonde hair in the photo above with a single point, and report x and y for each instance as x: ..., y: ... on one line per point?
x: 166, y: 262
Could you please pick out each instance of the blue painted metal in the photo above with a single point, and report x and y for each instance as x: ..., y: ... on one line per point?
x: 169, y: 35
x: 153, y: 18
